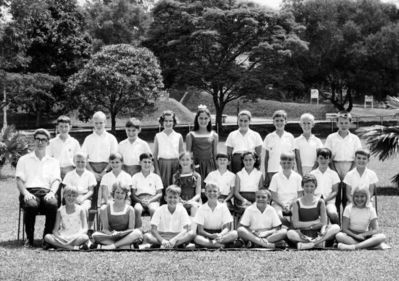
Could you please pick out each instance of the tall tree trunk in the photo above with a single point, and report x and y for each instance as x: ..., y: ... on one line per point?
x: 38, y: 117
x: 113, y: 122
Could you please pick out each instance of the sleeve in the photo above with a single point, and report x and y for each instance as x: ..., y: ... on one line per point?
x: 229, y: 140
x: 328, y: 143
x: 114, y: 144
x: 348, y: 179
x: 246, y: 218
x: 199, y: 217
x: 347, y: 211
x: 226, y: 216
x: 319, y: 143
x: 134, y: 182
x: 185, y: 218
x: 274, y: 218
x: 67, y: 179
x: 292, y: 141
x: 104, y: 180
x: 266, y: 142
x: 56, y: 171
x: 258, y: 139
x: 120, y: 148
x: 358, y: 144
x: 156, y: 218
x: 20, y: 170
x: 373, y: 178
x: 85, y: 147
x: 208, y: 178
x: 92, y: 179
x: 299, y: 183
x: 335, y: 178
x: 158, y: 182
x: 147, y: 147
x: 296, y: 145
x: 76, y: 146
x: 233, y: 180
x: 49, y: 149
x: 373, y: 213
x: 128, y: 180
x: 273, y: 183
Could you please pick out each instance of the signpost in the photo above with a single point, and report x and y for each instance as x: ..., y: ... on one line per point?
x: 314, y: 94
x: 368, y: 99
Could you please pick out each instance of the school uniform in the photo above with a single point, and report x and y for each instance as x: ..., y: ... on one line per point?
x: 225, y: 181
x: 109, y: 179
x: 82, y: 182
x: 286, y: 188
x: 275, y: 145
x: 213, y: 220
x: 147, y: 186
x: 325, y: 182
x: 359, y: 218
x: 354, y: 179
x: 308, y: 151
x: 242, y: 143
x: 249, y: 183
x: 63, y: 151
x: 170, y: 224
x: 256, y: 220
x: 131, y: 152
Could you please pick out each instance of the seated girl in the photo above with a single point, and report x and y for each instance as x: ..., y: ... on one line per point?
x: 309, y: 218
x: 359, y: 224
x: 190, y: 183
x: 117, y: 220
x: 248, y: 181
x: 214, y: 221
x: 70, y: 225
x: 260, y: 224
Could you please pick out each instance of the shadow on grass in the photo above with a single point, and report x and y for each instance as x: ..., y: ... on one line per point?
x: 13, y: 244
x: 388, y: 191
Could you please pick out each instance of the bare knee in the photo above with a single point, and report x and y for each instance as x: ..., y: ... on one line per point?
x: 340, y: 236
x: 292, y: 234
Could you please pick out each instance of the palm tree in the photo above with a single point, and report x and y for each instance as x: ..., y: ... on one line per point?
x: 383, y: 140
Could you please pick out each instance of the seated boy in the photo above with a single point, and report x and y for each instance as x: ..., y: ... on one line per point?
x: 82, y: 179
x: 146, y: 189
x: 360, y: 176
x: 170, y: 224
x: 132, y: 147
x: 285, y: 186
x: 327, y: 183
x: 260, y: 223
x: 224, y: 179
x: 214, y: 221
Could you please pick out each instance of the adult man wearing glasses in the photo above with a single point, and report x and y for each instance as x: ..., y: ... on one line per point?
x: 38, y: 179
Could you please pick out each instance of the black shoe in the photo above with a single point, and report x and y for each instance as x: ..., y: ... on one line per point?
x: 238, y: 243
x: 90, y: 233
x: 45, y: 245
x: 84, y: 247
x: 28, y: 244
x: 93, y: 246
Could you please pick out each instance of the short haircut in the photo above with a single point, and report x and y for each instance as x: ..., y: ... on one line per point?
x: 254, y: 156
x: 99, y: 115
x: 287, y: 155
x: 363, y: 152
x: 280, y: 113
x: 116, y: 155
x: 167, y: 113
x: 264, y: 190
x: 80, y: 154
x: 125, y: 189
x: 364, y: 191
x: 133, y: 123
x: 42, y: 131
x: 324, y: 151
x: 173, y: 189
x: 344, y: 115
x: 145, y: 156
x: 222, y: 155
x: 70, y: 190
x: 309, y: 178
x: 211, y: 185
x: 64, y: 119
x: 246, y: 113
x: 307, y: 116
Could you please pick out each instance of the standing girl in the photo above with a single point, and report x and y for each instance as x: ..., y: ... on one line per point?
x: 190, y: 183
x: 118, y: 222
x: 309, y: 218
x: 248, y: 181
x: 167, y: 147
x: 203, y: 142
x: 70, y: 225
x: 359, y: 224
x: 242, y: 140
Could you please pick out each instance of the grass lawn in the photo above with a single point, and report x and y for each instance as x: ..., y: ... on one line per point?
x: 17, y: 263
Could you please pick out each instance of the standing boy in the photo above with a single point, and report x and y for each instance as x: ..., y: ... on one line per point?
x: 343, y: 145
x: 132, y: 147
x: 63, y: 147
x: 306, y: 145
x: 275, y: 143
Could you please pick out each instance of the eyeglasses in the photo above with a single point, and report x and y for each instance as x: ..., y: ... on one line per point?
x: 41, y: 140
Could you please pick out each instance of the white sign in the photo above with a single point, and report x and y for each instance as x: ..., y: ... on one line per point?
x: 314, y: 94
x: 368, y: 99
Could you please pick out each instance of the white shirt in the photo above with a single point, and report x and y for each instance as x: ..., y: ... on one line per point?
x: 224, y: 181
x: 249, y: 182
x: 63, y: 151
x: 354, y: 179
x: 307, y: 149
x: 146, y: 185
x: 242, y: 143
x: 82, y: 183
x: 275, y: 145
x: 168, y: 145
x: 109, y: 179
x: 325, y: 182
x: 286, y: 188
x: 359, y: 218
x: 99, y: 147
x: 38, y: 173
x: 167, y: 222
x: 213, y: 219
x: 343, y: 149
x: 256, y: 220
x: 131, y: 151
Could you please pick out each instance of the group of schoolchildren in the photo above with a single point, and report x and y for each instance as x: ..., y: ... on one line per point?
x: 190, y: 194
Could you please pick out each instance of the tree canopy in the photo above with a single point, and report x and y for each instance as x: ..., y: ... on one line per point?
x: 118, y: 79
